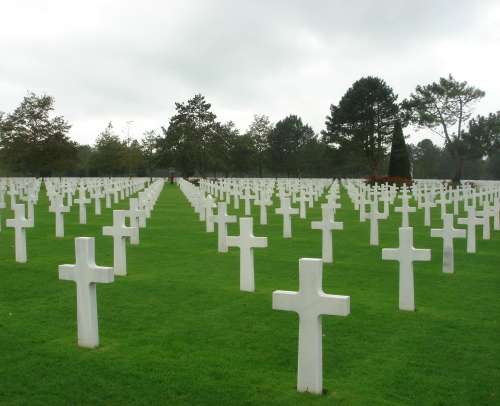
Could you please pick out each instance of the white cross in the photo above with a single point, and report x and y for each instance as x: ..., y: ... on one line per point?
x: 20, y: 223
x: 97, y: 196
x: 119, y: 231
x: 374, y: 216
x: 496, y: 213
x: 486, y: 213
x: 405, y: 209
x: 386, y: 199
x: 134, y: 213
x: 247, y: 197
x: 287, y: 212
x: 207, y: 207
x: 427, y: 212
x: 332, y: 206
x: 222, y: 219
x: 70, y: 192
x: 263, y: 202
x: 362, y: 202
x: 236, y: 193
x: 12, y: 192
x: 448, y: 233
x: 406, y: 255
x: 82, y: 201
x: 145, y: 204
x: 31, y: 198
x: 59, y: 209
x: 443, y: 202
x: 310, y: 302
x: 302, y: 199
x: 247, y: 242
x: 86, y: 274
x: 327, y: 224
x: 471, y: 221
x: 456, y: 198
x: 108, y: 189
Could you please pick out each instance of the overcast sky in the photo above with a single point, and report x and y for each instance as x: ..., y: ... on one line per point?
x: 125, y: 61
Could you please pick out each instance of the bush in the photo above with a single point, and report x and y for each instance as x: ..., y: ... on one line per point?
x: 391, y: 180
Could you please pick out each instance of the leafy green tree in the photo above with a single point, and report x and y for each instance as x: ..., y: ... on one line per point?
x: 361, y: 125
x: 288, y: 143
x: 60, y: 154
x: 399, y: 164
x: 494, y: 167
x: 173, y: 154
x: 427, y: 157
x: 242, y: 157
x: 32, y: 141
x: 222, y: 144
x: 149, y: 147
x: 445, y: 107
x: 131, y: 157
x: 259, y: 131
x: 107, y: 152
x: 189, y: 139
x: 83, y: 159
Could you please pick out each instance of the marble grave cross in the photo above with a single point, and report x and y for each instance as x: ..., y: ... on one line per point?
x: 59, y: 209
x: 310, y: 302
x: 246, y: 242
x: 119, y: 231
x: 448, y: 233
x: 287, y: 212
x: 471, y: 221
x: 86, y: 274
x: 222, y: 219
x: 82, y: 201
x: 20, y: 223
x: 405, y: 209
x: 374, y: 216
x: 327, y: 224
x: 134, y: 213
x: 406, y: 255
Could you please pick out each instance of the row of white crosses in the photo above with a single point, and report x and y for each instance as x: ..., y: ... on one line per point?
x: 310, y: 302
x: 27, y: 190
x: 31, y: 186
x: 86, y: 273
x: 471, y: 221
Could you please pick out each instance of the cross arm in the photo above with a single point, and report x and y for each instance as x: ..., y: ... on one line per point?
x: 285, y: 300
x: 67, y: 272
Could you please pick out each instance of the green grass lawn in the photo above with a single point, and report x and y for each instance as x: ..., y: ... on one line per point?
x: 178, y: 331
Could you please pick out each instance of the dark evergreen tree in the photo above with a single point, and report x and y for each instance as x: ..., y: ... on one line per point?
x: 362, y: 123
x: 399, y: 164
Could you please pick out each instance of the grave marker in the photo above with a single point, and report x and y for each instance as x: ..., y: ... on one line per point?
x: 406, y: 255
x: 327, y: 224
x: 448, y: 233
x: 287, y: 212
x: 119, y: 231
x: 247, y: 242
x: 471, y: 221
x: 20, y: 223
x: 59, y: 209
x: 310, y: 302
x: 86, y: 274
x: 222, y: 219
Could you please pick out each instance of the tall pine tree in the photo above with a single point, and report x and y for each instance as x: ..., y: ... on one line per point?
x: 399, y: 164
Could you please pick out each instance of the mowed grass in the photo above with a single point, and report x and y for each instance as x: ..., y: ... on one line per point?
x: 178, y: 331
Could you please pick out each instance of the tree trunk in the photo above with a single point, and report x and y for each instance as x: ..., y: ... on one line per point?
x: 458, y: 167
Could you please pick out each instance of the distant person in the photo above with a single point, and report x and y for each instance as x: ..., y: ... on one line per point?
x: 171, y: 178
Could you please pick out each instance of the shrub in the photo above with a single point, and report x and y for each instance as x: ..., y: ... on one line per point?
x: 391, y: 180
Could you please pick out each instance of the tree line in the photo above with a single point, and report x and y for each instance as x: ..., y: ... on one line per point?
x: 360, y: 131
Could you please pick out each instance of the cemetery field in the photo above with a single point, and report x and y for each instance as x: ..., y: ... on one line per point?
x: 177, y: 330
